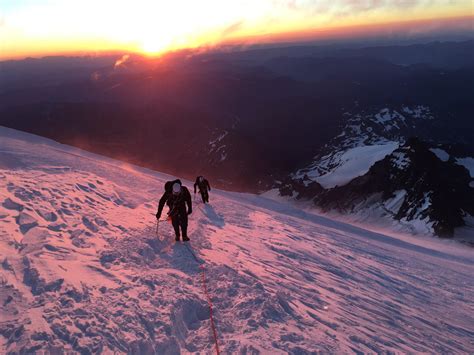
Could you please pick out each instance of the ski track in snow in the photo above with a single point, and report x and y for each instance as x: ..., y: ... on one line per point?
x: 82, y: 270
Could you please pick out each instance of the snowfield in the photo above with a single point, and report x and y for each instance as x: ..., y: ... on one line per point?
x: 82, y: 270
x: 366, y: 138
x: 353, y: 163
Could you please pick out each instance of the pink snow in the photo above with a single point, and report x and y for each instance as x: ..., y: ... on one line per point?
x: 83, y: 269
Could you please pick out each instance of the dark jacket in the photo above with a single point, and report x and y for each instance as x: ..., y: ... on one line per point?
x: 202, y: 185
x: 176, y: 203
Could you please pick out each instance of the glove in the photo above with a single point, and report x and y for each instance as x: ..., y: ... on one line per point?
x: 190, y: 211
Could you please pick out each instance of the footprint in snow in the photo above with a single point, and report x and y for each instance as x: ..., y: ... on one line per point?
x: 188, y: 315
x: 27, y: 195
x: 89, y: 224
x: 12, y: 205
x: 48, y: 216
x: 57, y: 227
x: 26, y: 221
x: 65, y: 211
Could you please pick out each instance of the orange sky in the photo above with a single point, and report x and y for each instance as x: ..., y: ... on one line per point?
x: 404, y: 29
x: 44, y: 27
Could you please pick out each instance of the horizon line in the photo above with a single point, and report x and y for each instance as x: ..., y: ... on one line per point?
x: 310, y: 37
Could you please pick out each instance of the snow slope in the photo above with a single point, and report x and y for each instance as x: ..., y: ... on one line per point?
x: 353, y: 163
x: 82, y: 269
x: 365, y: 138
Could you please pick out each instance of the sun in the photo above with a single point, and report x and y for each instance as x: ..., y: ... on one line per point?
x: 156, y: 45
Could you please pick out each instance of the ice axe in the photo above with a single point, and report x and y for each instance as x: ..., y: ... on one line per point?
x: 158, y: 225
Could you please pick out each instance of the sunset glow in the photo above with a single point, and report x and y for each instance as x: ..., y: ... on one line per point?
x: 51, y: 26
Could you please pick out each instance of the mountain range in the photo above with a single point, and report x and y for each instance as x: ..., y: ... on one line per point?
x: 268, y: 118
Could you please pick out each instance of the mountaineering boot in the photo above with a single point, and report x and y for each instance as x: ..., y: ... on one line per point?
x: 185, y: 239
x: 177, y: 238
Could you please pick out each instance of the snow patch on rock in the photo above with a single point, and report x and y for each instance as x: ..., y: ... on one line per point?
x: 400, y: 160
x: 355, y: 162
x: 468, y: 163
x: 440, y: 153
x: 363, y: 130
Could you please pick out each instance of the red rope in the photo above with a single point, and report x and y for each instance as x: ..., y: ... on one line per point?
x: 209, y: 301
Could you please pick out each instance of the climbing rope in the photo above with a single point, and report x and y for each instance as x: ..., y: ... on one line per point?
x: 209, y: 300
x: 204, y: 286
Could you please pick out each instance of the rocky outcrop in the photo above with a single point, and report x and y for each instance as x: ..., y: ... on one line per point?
x: 412, y: 183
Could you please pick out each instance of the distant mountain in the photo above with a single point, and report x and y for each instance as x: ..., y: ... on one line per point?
x: 373, y: 168
x: 447, y: 55
x: 436, y: 54
x: 411, y: 184
x: 48, y: 71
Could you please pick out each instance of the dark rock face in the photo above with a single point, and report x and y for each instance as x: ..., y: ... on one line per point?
x: 435, y: 189
x: 301, y: 187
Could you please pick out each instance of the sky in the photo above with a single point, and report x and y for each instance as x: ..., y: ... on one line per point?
x: 45, y: 27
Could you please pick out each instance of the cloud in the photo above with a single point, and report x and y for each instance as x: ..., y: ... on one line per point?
x: 232, y: 28
x: 340, y: 8
x: 121, y: 61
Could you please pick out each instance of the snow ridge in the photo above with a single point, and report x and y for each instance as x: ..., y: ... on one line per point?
x: 366, y: 138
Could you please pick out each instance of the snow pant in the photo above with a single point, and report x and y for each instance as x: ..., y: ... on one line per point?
x: 204, y: 195
x: 180, y: 221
